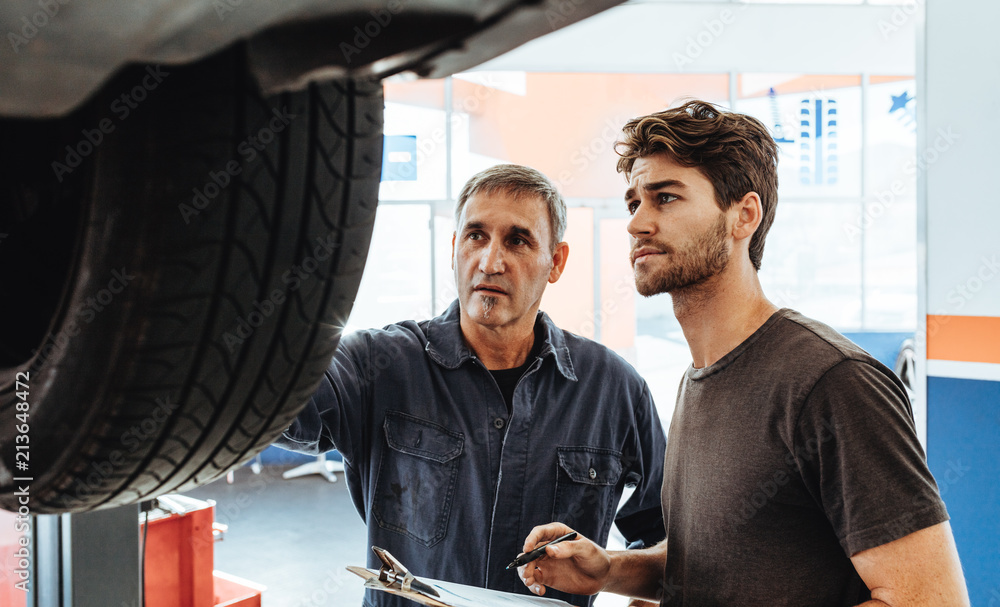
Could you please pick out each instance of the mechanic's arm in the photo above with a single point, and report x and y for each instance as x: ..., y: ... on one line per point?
x: 640, y: 518
x: 335, y: 414
x: 583, y: 567
x: 919, y: 569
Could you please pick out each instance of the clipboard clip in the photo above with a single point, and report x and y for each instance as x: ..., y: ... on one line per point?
x: 394, y: 574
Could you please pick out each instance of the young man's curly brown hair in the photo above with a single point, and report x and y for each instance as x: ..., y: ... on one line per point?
x: 734, y: 151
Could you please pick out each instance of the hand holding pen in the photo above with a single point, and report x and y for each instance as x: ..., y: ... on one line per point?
x: 577, y: 567
x: 539, y: 552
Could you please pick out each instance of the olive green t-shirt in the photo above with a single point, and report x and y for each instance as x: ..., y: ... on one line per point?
x: 790, y: 454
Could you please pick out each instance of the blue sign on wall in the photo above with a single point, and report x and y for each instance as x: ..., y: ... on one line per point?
x: 818, y: 142
x: 399, y: 158
x: 904, y: 111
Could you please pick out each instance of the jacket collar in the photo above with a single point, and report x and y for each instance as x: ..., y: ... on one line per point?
x: 446, y: 346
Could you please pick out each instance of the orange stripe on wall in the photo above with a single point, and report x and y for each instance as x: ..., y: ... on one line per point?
x: 973, y: 339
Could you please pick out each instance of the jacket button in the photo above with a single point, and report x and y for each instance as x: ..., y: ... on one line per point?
x: 498, y: 423
x: 593, y: 474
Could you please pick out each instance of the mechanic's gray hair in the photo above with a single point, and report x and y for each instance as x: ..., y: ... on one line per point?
x: 519, y: 181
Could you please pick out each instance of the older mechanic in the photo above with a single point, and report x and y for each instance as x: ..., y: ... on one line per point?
x: 461, y: 433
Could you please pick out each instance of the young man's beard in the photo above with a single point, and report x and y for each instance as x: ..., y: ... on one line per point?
x: 705, y: 258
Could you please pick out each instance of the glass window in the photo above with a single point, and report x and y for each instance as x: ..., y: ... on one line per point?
x: 397, y: 280
x: 564, y: 125
x: 809, y: 265
x: 570, y: 300
x: 842, y: 248
x: 888, y: 223
x: 415, y: 152
x: 444, y: 276
x: 805, y: 1
x: 816, y: 121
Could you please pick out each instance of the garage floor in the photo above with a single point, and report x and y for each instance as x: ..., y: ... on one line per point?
x: 293, y: 536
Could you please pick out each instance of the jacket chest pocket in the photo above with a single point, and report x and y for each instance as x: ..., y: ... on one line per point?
x: 416, y: 477
x: 585, y: 488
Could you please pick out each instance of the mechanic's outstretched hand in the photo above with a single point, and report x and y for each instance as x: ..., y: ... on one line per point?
x: 578, y: 567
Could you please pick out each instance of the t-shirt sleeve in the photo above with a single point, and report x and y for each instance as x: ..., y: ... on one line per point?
x: 857, y: 451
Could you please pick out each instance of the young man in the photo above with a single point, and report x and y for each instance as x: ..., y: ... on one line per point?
x: 461, y: 433
x: 793, y: 474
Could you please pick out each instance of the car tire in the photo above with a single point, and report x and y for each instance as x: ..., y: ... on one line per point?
x: 178, y: 258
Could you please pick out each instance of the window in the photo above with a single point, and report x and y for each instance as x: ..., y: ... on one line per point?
x: 842, y: 248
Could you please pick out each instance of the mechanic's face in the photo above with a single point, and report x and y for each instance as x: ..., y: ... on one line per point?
x: 678, y: 233
x: 503, y: 258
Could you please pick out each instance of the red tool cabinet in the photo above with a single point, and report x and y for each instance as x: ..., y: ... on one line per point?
x: 179, y: 562
x: 179, y: 570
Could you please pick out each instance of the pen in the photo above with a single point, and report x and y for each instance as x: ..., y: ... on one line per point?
x: 539, y: 552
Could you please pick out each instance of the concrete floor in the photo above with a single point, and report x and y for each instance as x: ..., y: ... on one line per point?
x: 294, y: 536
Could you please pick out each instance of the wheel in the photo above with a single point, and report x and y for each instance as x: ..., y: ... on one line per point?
x: 177, y: 260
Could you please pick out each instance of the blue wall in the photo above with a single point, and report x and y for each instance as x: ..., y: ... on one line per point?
x: 963, y: 450
x: 883, y: 346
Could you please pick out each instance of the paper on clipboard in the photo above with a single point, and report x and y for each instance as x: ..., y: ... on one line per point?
x: 389, y: 579
x: 459, y: 595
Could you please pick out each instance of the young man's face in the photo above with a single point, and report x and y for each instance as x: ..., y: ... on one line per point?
x: 503, y: 257
x: 678, y: 232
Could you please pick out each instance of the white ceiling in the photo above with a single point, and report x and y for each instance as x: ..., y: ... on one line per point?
x: 707, y: 37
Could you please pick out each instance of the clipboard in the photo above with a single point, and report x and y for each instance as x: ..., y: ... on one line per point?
x: 393, y: 577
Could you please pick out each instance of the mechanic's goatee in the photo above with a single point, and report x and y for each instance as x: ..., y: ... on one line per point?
x: 488, y: 302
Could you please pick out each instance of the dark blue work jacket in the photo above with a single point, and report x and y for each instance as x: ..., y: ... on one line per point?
x: 451, y: 483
